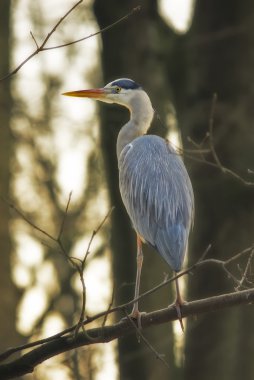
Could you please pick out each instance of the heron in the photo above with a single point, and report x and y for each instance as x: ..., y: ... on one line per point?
x: 154, y: 184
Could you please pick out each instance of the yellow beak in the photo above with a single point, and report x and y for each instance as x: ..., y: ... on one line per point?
x: 97, y: 93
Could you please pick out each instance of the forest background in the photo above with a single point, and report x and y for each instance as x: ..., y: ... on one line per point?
x: 58, y: 181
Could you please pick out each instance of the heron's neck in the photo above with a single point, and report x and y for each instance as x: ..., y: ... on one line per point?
x: 141, y: 115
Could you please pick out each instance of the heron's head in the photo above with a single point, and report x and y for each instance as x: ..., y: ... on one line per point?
x: 121, y: 91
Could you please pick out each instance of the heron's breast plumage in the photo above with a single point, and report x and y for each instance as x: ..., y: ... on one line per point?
x: 158, y: 196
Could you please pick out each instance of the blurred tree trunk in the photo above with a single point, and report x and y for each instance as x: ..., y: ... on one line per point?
x: 8, y: 296
x: 135, y: 49
x: 217, y: 56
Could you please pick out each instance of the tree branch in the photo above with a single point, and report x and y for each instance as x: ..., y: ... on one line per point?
x: 200, y: 151
x: 104, y: 314
x: 27, y: 362
x: 42, y: 46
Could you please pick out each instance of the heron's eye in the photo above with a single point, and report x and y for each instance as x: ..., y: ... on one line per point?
x: 118, y: 89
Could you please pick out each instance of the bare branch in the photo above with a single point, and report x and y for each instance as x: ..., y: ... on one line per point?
x: 36, y: 44
x: 199, y: 152
x: 29, y: 222
x: 123, y: 307
x: 140, y: 335
x: 27, y: 362
x: 239, y: 254
x: 58, y: 23
x: 211, y: 138
x: 78, y: 264
x: 109, y: 307
x: 245, y: 273
x: 64, y: 217
x: 42, y: 47
x: 189, y: 154
x: 86, y: 334
x: 94, y: 233
x: 134, y: 10
x: 81, y: 269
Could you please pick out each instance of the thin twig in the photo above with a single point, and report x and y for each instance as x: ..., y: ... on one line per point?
x: 27, y: 220
x: 140, y: 335
x: 81, y: 269
x: 199, y: 149
x: 211, y: 138
x: 94, y: 233
x: 191, y: 154
x: 215, y: 165
x: 36, y: 44
x: 134, y: 10
x: 64, y: 216
x: 58, y: 23
x: 80, y: 265
x: 42, y: 47
x: 244, y: 276
x: 204, y: 254
x: 236, y: 256
x: 109, y: 307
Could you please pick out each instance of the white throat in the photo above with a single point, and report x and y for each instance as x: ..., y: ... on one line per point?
x: 141, y: 115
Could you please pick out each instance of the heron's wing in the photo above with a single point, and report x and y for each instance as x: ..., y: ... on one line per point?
x: 172, y: 244
x: 157, y: 194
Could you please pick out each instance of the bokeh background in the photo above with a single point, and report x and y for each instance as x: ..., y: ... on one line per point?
x: 182, y: 52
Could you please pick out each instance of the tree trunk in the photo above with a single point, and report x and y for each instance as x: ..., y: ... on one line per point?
x: 8, y: 296
x: 218, y: 57
x: 134, y: 49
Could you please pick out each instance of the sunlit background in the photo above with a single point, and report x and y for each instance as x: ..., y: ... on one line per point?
x: 67, y: 143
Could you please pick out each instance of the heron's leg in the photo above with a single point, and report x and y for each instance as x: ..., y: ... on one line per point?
x: 135, y: 312
x: 178, y: 302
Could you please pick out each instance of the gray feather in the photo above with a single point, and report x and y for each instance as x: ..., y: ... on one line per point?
x: 157, y: 193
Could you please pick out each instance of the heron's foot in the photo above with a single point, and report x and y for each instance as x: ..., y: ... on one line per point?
x: 137, y: 315
x: 177, y: 305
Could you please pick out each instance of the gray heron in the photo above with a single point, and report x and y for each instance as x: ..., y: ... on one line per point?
x: 154, y: 184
